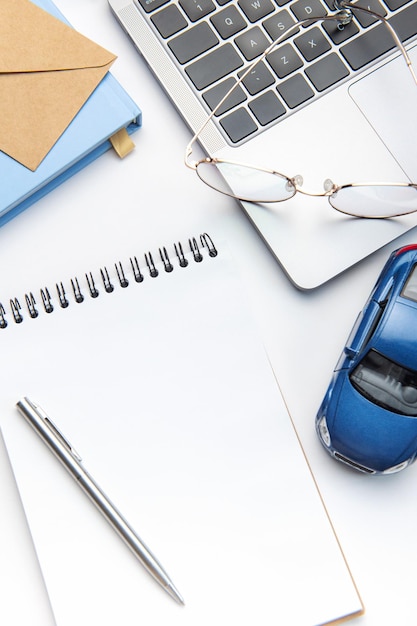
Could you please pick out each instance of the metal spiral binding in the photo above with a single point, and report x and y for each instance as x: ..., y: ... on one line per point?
x: 16, y: 308
x: 153, y: 272
x: 198, y: 257
x: 136, y: 269
x: 106, y: 280
x: 180, y: 254
x: 165, y: 260
x: 196, y: 247
x: 46, y: 300
x: 207, y: 241
x: 63, y: 300
x: 94, y: 292
x: 121, y: 275
x: 3, y: 321
x: 77, y: 291
x: 31, y: 305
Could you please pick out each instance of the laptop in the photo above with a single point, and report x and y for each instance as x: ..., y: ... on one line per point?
x: 331, y: 101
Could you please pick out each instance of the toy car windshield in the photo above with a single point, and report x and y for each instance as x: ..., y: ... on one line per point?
x: 387, y: 384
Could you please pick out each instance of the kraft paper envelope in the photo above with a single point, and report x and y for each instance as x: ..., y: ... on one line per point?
x: 47, y: 72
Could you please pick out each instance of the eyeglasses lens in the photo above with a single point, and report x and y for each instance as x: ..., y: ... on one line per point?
x: 246, y: 183
x: 375, y: 200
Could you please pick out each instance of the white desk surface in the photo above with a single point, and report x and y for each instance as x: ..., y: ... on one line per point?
x: 153, y: 193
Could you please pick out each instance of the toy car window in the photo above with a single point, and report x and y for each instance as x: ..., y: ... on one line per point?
x: 386, y: 384
x: 410, y: 287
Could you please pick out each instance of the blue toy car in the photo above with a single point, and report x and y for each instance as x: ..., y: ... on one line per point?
x: 368, y: 417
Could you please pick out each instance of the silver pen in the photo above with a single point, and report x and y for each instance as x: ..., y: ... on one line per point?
x: 59, y: 445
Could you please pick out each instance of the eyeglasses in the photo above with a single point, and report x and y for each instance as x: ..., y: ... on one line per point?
x: 259, y: 185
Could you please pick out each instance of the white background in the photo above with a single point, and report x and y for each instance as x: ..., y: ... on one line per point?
x: 152, y: 195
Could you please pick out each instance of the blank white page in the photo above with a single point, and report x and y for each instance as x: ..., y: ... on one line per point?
x: 165, y: 390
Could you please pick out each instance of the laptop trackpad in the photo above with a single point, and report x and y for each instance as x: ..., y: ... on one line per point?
x: 388, y: 99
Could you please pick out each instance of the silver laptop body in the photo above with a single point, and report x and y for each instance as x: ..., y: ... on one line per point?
x: 331, y: 102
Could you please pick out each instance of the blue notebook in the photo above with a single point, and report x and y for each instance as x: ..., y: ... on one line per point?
x: 108, y: 110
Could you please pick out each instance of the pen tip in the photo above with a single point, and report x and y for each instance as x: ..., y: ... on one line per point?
x: 174, y: 593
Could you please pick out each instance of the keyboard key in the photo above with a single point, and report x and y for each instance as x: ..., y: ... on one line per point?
x: 327, y: 72
x: 367, y: 47
x: 405, y: 22
x: 193, y: 42
x: 252, y: 43
x: 213, y: 96
x: 258, y: 79
x: 215, y: 65
x: 267, y: 108
x: 228, y: 22
x: 279, y: 23
x: 395, y: 4
x: 256, y: 9
x: 365, y: 19
x: 331, y: 4
x: 169, y: 21
x: 284, y: 60
x: 340, y: 33
x: 238, y: 125
x: 196, y: 9
x: 152, y: 5
x: 303, y: 9
x: 295, y: 91
x: 312, y: 44
x: 375, y: 42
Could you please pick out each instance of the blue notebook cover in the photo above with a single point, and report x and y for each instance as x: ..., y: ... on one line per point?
x: 108, y: 109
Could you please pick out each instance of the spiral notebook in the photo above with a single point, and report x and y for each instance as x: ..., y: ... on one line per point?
x: 153, y: 369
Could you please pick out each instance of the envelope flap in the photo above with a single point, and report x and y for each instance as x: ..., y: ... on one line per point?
x: 47, y: 73
x: 32, y: 40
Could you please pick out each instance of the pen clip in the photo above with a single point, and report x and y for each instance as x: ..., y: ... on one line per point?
x: 61, y: 438
x: 54, y: 429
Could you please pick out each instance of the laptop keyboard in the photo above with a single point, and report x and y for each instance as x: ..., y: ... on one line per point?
x: 214, y: 41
